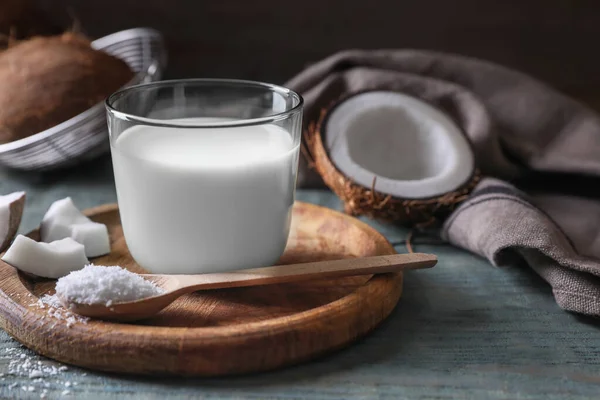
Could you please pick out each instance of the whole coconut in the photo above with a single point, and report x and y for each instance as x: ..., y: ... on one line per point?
x: 48, y: 80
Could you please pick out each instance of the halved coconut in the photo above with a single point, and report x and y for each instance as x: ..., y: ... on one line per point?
x: 391, y: 156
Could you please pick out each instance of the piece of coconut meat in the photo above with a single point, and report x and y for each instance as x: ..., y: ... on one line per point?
x: 63, y: 219
x: 49, y: 260
x: 93, y: 236
x: 11, y: 211
x: 59, y: 217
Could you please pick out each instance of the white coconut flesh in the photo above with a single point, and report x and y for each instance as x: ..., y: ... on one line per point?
x: 49, y: 260
x: 93, y: 236
x: 414, y: 150
x: 64, y: 220
x: 59, y: 217
x: 8, y: 222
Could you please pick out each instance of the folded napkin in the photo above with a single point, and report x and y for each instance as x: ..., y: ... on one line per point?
x: 539, y: 149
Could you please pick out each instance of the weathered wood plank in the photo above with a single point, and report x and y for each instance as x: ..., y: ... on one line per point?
x: 461, y: 330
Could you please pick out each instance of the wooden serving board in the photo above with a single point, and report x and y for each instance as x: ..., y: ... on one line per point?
x: 218, y: 332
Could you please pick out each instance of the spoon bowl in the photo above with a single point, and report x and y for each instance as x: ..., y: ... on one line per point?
x: 175, y: 286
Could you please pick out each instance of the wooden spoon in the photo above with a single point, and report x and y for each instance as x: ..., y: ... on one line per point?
x: 178, y: 285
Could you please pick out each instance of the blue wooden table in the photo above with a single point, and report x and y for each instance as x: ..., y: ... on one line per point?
x: 464, y: 329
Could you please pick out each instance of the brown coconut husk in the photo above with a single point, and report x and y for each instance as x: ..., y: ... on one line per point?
x: 48, y: 80
x: 359, y: 200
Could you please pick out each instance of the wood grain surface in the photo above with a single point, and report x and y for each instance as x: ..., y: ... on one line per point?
x: 462, y: 330
x: 219, y: 332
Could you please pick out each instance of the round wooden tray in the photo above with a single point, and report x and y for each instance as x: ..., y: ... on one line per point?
x: 219, y: 332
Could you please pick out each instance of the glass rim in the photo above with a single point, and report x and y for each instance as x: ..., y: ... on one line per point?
x: 108, y: 103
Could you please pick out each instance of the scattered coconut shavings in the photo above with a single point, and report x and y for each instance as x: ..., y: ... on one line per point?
x: 54, y: 308
x: 22, y: 365
x: 35, y: 373
x: 95, y: 284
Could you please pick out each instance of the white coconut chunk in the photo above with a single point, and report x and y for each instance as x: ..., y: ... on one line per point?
x: 58, y: 219
x: 412, y: 149
x: 11, y: 211
x: 49, y: 260
x: 93, y: 236
x: 63, y: 219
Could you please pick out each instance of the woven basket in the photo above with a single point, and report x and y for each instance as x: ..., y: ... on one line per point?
x: 85, y: 136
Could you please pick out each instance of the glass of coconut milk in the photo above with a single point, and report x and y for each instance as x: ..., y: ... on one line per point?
x: 205, y: 172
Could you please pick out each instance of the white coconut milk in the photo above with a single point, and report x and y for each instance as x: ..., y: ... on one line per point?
x: 196, y: 200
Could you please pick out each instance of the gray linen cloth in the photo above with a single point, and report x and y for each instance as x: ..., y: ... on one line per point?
x: 539, y: 149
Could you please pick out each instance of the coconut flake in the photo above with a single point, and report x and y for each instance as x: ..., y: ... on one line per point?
x: 49, y: 260
x: 34, y: 372
x: 54, y: 309
x: 96, y: 284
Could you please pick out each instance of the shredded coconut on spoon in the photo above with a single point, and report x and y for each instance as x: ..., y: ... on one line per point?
x: 95, y: 284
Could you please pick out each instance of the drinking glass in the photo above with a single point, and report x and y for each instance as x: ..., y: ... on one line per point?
x: 205, y: 172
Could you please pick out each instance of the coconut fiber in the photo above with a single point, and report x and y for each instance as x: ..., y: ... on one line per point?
x: 539, y: 151
x: 48, y: 80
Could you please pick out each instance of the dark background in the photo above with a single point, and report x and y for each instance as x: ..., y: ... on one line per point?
x: 555, y: 40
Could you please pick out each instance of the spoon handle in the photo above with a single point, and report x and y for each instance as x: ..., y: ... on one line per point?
x: 303, y: 272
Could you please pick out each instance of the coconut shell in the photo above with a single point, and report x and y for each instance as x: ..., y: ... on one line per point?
x: 48, y: 80
x: 359, y: 200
